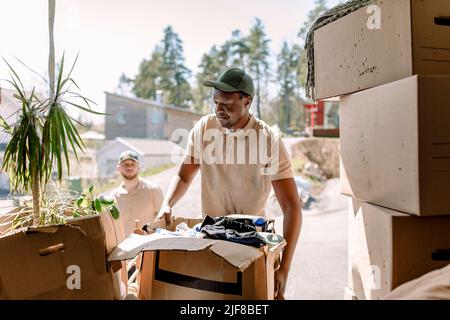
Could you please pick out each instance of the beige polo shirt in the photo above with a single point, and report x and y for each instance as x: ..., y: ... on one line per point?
x: 237, y: 167
x: 143, y: 203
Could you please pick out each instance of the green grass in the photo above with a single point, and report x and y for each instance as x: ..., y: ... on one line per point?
x: 152, y: 171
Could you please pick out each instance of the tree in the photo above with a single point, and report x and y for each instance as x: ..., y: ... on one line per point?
x: 286, y: 77
x: 166, y: 71
x: 211, y: 65
x: 175, y: 74
x: 258, y: 58
x: 319, y: 9
x: 149, y: 78
x: 125, y: 84
x: 239, y: 50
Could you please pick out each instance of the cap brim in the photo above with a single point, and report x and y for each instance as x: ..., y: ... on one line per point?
x: 221, y: 86
x: 129, y: 158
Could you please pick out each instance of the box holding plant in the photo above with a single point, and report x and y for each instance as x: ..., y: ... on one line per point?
x: 57, y: 232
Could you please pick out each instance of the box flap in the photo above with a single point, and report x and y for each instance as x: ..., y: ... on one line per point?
x: 131, y: 246
x: 238, y: 255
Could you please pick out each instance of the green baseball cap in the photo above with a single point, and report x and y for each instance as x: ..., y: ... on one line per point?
x: 233, y: 80
x: 128, y: 155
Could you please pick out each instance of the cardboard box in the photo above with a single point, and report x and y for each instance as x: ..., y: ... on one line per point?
x: 185, y: 268
x: 387, y: 248
x: 35, y: 262
x: 395, y: 145
x: 413, y: 39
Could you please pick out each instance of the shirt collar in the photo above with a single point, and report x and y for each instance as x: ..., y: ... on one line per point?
x: 239, y: 133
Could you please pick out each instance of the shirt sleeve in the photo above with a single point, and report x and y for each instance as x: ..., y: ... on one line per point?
x: 193, y: 148
x: 280, y: 162
x: 158, y: 200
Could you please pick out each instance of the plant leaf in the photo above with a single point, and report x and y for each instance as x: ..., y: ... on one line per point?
x: 114, y: 211
x: 98, y: 205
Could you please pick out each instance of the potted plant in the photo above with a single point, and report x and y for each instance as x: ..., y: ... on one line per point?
x: 41, y: 139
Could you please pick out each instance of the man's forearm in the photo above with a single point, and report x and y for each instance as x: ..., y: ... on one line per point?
x: 177, y: 189
x: 292, y: 223
x: 180, y: 183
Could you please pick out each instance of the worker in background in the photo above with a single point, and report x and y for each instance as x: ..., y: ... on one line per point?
x: 139, y: 202
x: 136, y: 198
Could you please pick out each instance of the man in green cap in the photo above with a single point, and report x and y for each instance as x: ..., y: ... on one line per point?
x: 240, y: 159
x: 137, y: 198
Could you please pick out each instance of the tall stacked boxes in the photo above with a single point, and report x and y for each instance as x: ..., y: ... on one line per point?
x: 394, y: 86
x: 356, y: 52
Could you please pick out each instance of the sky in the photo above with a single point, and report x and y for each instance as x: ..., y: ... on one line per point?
x: 113, y: 36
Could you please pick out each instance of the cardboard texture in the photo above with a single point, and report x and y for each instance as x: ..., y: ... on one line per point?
x: 198, y: 269
x: 34, y: 261
x: 387, y: 248
x: 395, y: 145
x: 413, y: 39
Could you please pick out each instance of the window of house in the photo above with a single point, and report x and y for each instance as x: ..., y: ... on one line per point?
x: 156, y: 117
x: 121, y: 117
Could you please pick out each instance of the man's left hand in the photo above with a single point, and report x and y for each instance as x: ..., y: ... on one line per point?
x: 140, y: 231
x: 281, y: 277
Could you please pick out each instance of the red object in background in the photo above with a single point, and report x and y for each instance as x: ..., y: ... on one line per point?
x: 317, y: 113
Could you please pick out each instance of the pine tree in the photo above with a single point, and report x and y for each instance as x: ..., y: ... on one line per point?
x: 148, y: 79
x: 239, y: 50
x: 258, y: 58
x: 211, y: 65
x: 165, y: 71
x: 174, y: 74
x: 286, y: 78
x: 318, y: 10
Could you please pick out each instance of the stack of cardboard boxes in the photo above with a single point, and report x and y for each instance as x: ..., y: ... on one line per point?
x: 393, y: 76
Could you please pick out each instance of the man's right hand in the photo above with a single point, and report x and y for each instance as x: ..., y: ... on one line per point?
x: 164, y: 213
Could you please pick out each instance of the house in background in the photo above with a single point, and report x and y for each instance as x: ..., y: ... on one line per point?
x: 152, y: 153
x: 140, y: 118
x: 323, y: 120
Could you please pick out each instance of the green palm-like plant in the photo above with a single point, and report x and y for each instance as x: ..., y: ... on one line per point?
x: 42, y: 135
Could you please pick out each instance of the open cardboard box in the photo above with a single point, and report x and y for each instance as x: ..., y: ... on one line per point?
x: 35, y: 262
x: 184, y: 268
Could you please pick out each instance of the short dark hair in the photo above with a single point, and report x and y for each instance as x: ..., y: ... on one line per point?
x: 243, y: 95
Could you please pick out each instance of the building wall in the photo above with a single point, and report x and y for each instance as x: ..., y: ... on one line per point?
x: 126, y: 118
x: 136, y: 118
x: 4, y: 178
x: 179, y: 120
x: 108, y: 156
x: 155, y: 121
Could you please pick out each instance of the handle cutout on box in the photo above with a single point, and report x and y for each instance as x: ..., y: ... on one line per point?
x: 52, y: 249
x: 442, y: 21
x: 198, y: 283
x: 441, y: 255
